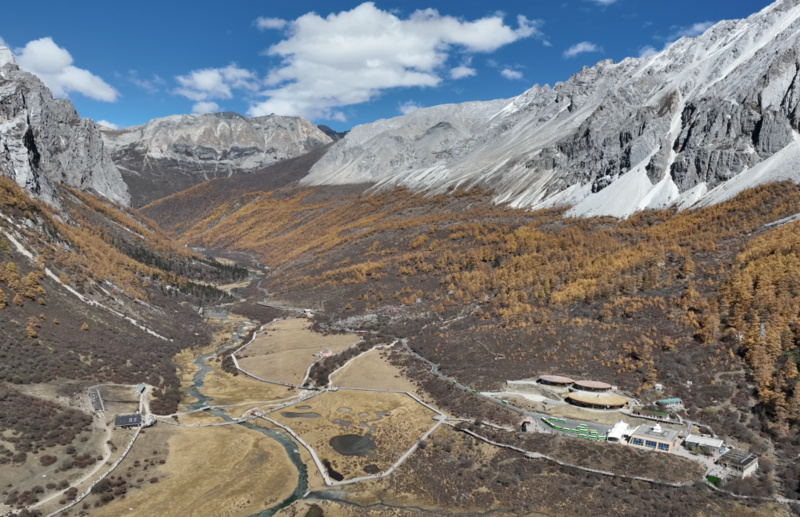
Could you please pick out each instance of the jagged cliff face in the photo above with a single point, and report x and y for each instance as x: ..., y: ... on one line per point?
x: 696, y: 123
x: 43, y: 141
x: 173, y: 153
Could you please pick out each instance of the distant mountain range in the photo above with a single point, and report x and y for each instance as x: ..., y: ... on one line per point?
x: 169, y: 154
x: 696, y: 123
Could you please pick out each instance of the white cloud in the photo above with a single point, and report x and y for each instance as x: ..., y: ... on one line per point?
x: 352, y: 56
x: 53, y: 65
x: 604, y: 2
x: 512, y: 75
x: 270, y: 23
x: 689, y: 31
x: 205, y: 107
x: 148, y: 85
x: 461, y: 72
x: 408, y: 107
x: 3, y: 42
x: 106, y: 123
x: 581, y: 48
x: 647, y: 51
x: 215, y: 83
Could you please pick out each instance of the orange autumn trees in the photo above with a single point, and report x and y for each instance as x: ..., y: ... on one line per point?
x: 762, y: 296
x: 707, y: 274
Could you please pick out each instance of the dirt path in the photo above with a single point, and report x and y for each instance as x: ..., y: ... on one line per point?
x: 99, y: 465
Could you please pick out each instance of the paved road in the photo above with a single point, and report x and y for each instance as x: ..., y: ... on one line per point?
x: 570, y: 423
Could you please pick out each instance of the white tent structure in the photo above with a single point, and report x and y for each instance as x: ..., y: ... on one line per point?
x: 619, y: 432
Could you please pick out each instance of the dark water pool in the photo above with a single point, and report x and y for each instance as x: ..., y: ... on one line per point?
x: 289, y: 414
x: 352, y: 445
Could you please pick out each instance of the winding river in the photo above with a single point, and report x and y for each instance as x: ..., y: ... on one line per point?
x: 286, y: 442
x: 301, y: 490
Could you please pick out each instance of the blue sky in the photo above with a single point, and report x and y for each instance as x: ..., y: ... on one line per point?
x: 336, y: 63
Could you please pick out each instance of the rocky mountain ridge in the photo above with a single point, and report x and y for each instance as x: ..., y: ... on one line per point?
x: 172, y: 153
x: 696, y: 123
x: 44, y: 143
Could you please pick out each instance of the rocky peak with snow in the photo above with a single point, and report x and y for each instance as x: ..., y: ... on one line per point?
x: 43, y: 141
x: 696, y: 123
x: 171, y: 153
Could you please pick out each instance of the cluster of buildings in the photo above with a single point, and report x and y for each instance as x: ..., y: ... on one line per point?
x: 598, y: 395
x: 654, y: 437
x: 588, y: 394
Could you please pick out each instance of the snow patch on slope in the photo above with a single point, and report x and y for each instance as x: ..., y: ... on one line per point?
x: 631, y: 192
x: 707, y: 110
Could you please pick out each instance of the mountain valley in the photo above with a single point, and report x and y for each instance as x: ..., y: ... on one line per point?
x: 296, y: 321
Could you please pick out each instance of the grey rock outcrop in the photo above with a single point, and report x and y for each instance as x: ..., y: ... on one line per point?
x: 44, y: 143
x: 169, y: 154
x: 719, y: 110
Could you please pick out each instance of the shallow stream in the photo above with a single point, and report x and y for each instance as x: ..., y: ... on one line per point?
x: 301, y: 490
x: 285, y: 441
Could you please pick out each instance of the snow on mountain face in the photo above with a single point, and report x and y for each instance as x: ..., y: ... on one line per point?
x: 43, y: 141
x: 690, y: 124
x: 172, y: 153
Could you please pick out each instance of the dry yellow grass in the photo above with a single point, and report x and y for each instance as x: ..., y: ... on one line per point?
x: 285, y: 350
x: 403, y: 423
x: 186, y: 369
x: 371, y: 370
x: 199, y: 418
x: 235, y: 285
x: 225, y: 389
x: 315, y: 479
x: 225, y: 471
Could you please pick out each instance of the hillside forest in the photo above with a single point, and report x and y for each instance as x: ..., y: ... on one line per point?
x: 703, y: 301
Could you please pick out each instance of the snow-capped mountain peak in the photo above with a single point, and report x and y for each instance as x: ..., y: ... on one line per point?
x: 672, y: 128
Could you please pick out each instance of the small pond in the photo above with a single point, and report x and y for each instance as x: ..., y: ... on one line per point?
x: 289, y: 414
x: 352, y: 445
x: 332, y: 473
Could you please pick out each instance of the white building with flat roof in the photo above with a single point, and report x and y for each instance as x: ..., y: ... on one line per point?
x: 654, y: 438
x: 707, y: 444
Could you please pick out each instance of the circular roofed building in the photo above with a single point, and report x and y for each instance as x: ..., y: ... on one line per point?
x: 556, y: 380
x: 591, y: 386
x: 596, y: 400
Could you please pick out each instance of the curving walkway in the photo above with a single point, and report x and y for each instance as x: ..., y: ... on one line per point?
x: 441, y: 419
x: 88, y: 491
